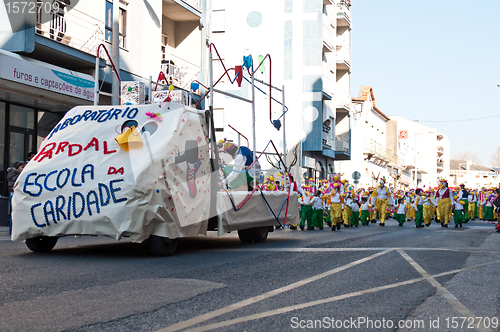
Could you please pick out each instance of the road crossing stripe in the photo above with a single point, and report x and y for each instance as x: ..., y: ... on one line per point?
x: 252, y: 300
x: 455, y: 303
x: 327, y: 300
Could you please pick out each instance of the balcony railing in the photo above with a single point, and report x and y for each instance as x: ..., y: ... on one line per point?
x: 180, y: 72
x: 344, y: 54
x: 344, y: 13
x: 342, y: 143
x: 373, y: 147
x: 328, y: 80
x: 75, y: 29
x: 343, y: 99
x: 328, y: 35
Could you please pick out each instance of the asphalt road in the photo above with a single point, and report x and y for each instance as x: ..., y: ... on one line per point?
x: 356, y: 279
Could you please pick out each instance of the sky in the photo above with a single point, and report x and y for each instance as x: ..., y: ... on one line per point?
x: 437, y: 62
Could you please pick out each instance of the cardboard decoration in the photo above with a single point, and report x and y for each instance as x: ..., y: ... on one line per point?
x: 129, y: 139
x: 82, y: 182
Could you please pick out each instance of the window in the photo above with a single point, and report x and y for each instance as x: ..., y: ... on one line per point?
x: 219, y: 21
x: 122, y: 24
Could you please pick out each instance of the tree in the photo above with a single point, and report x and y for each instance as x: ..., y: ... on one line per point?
x: 468, y: 155
x: 495, y: 158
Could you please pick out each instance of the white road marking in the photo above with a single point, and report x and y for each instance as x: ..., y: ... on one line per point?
x: 252, y: 300
x: 455, y: 303
x: 353, y: 249
x: 327, y: 300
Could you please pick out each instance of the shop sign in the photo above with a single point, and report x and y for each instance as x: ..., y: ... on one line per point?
x: 15, y: 68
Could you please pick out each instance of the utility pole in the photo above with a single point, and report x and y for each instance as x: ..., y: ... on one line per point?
x: 115, y: 55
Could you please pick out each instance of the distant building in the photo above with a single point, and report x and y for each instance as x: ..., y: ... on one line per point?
x: 368, y: 127
x: 424, y: 152
x: 472, y: 175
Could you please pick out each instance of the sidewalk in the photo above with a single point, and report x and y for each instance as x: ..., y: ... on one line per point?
x: 4, y: 230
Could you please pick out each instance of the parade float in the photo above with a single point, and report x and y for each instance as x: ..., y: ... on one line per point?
x: 146, y: 172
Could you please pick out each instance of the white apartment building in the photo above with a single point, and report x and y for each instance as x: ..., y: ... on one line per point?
x: 368, y: 130
x: 424, y: 152
x: 309, y: 44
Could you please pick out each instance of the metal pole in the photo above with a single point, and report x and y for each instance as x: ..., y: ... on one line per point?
x: 150, y: 89
x: 115, y: 49
x: 96, y: 81
x: 253, y: 127
x: 215, y: 173
x: 284, y: 136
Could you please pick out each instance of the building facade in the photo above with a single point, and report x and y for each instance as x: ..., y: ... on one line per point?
x: 473, y: 176
x: 368, y: 128
x: 424, y: 151
x: 48, y: 67
x: 309, y: 44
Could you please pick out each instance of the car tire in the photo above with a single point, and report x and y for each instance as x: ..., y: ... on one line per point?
x: 41, y: 243
x: 162, y: 246
x: 245, y: 235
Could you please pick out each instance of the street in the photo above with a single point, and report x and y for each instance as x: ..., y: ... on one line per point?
x: 366, y: 278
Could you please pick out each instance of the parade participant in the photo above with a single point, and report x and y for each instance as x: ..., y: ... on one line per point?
x: 382, y: 200
x: 306, y: 209
x: 488, y: 207
x: 445, y: 202
x: 335, y: 207
x: 428, y: 208
x: 458, y: 216
x: 243, y: 158
x: 480, y: 202
x: 401, y: 211
x: 419, y: 208
x: 355, y: 212
x: 317, y: 211
x: 372, y: 204
x: 471, y: 209
x: 347, y: 210
x: 295, y: 187
x: 365, y: 213
x: 435, y: 210
x: 463, y: 195
x: 408, y: 206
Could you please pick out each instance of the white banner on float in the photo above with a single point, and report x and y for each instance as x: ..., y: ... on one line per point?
x: 15, y: 68
x: 132, y: 171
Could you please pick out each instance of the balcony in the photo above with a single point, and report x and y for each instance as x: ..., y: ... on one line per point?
x: 375, y: 153
x: 182, y: 10
x: 75, y: 29
x: 344, y: 13
x: 439, y: 166
x: 343, y: 147
x: 343, y: 100
x: 328, y: 79
x: 395, y: 161
x: 180, y: 72
x: 328, y: 35
x: 343, y: 57
x: 327, y: 135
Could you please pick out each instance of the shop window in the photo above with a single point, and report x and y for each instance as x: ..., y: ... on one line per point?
x: 2, y: 142
x: 22, y: 117
x: 46, y: 122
